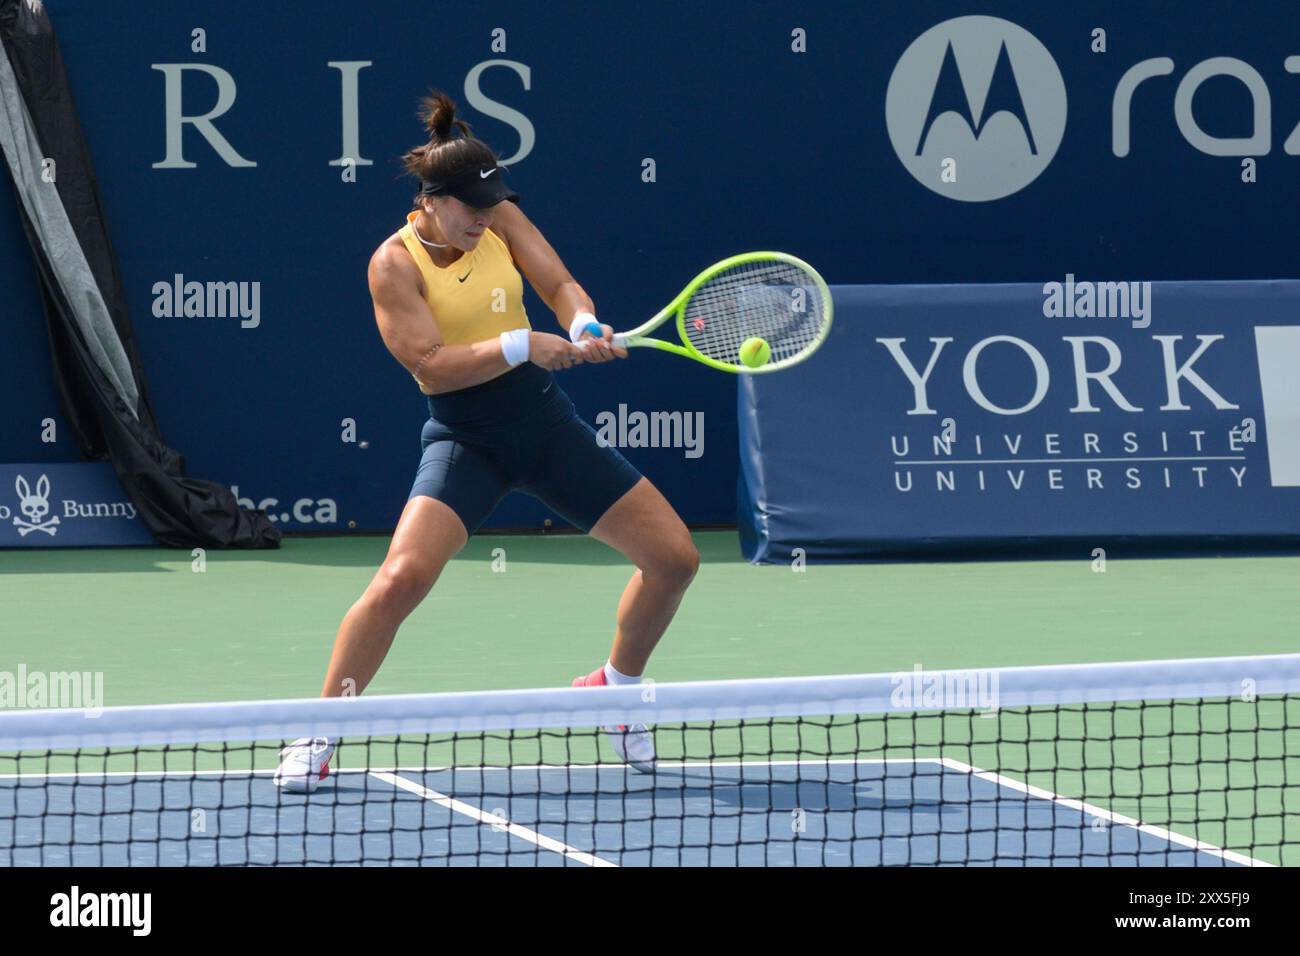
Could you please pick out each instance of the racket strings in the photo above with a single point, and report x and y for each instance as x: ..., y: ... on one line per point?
x: 771, y: 299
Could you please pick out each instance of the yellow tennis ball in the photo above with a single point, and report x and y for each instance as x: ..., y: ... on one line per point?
x: 755, y: 352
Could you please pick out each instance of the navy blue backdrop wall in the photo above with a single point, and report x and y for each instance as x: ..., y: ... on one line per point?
x: 835, y: 153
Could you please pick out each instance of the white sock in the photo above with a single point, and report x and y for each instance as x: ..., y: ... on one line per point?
x: 614, y: 678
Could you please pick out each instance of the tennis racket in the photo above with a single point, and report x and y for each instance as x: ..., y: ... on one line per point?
x: 768, y: 295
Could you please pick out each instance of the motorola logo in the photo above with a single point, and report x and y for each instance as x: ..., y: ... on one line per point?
x: 976, y: 108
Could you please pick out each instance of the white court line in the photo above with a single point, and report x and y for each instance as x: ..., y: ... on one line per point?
x: 1147, y: 828
x: 473, y: 812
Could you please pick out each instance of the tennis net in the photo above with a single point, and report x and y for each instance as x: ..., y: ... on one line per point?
x: 1163, y: 763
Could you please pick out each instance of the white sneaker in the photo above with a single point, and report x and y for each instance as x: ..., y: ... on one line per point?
x: 635, y: 745
x: 304, y: 764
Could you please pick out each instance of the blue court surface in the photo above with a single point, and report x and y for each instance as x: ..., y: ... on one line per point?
x: 920, y: 812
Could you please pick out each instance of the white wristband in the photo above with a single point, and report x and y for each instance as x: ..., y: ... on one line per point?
x: 514, y: 346
x: 579, y: 325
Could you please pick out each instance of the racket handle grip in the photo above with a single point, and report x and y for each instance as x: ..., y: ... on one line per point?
x: 620, y: 340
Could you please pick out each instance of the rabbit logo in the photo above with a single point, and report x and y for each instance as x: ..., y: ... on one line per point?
x: 35, y: 507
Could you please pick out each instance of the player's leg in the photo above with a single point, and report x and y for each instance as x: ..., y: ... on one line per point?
x: 456, y: 487
x: 428, y: 535
x: 595, y: 488
x: 643, y: 526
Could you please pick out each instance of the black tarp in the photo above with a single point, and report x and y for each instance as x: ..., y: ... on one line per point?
x: 97, y: 369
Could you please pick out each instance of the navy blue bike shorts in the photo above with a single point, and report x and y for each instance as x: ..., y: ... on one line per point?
x: 517, y: 432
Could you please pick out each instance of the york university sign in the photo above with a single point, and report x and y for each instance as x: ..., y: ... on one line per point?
x: 1012, y: 413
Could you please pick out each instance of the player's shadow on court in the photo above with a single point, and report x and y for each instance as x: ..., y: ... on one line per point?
x: 788, y: 796
x: 783, y: 796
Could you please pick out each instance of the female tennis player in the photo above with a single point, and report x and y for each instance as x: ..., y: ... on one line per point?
x: 449, y: 303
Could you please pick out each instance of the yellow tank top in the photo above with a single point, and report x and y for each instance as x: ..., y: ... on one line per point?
x: 478, y: 296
